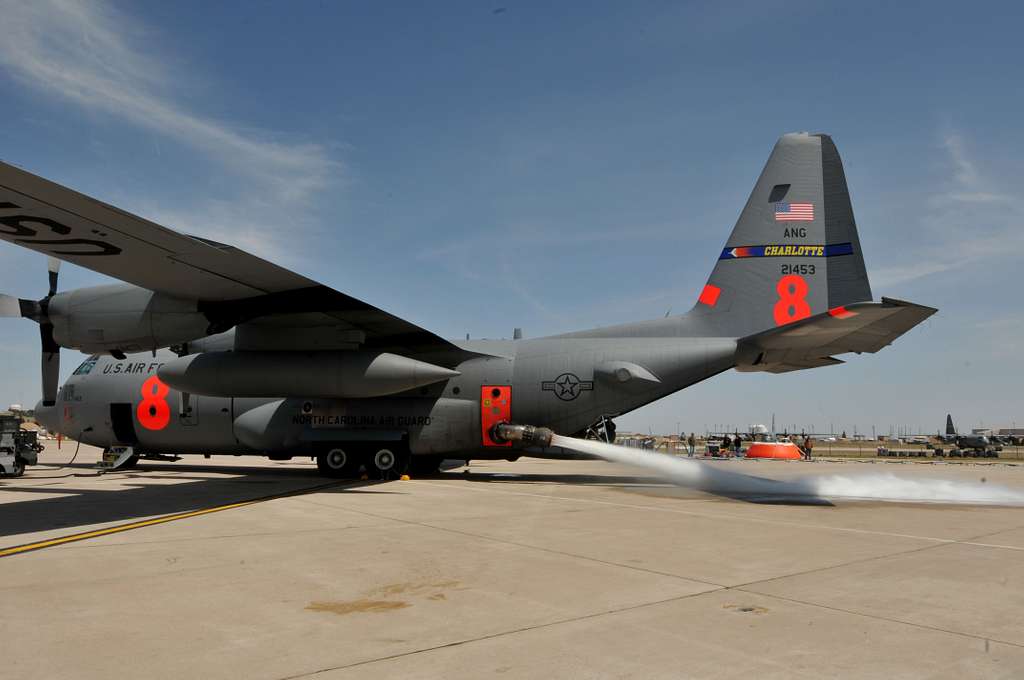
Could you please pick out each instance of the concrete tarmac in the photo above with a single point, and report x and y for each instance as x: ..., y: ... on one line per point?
x: 516, y: 570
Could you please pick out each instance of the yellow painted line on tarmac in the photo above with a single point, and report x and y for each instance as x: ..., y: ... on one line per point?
x: 71, y: 538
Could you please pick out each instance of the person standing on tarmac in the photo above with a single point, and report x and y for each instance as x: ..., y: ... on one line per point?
x: 691, y: 444
x: 808, y: 446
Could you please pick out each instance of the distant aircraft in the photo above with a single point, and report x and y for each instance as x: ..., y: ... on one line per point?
x: 972, y: 442
x: 231, y: 354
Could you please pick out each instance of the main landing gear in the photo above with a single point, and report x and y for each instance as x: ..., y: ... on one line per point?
x: 602, y: 429
x: 339, y: 462
x: 388, y: 463
x: 379, y: 461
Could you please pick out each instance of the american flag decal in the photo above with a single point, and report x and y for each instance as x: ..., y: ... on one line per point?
x: 794, y: 212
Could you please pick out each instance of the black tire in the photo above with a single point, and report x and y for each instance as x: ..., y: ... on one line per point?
x: 424, y: 465
x: 388, y: 462
x: 19, y: 468
x: 338, y: 462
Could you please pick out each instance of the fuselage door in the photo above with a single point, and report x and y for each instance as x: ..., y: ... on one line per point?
x: 123, y: 423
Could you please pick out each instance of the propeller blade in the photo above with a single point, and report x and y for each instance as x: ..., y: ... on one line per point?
x: 53, y: 269
x: 50, y: 363
x: 12, y: 306
x: 51, y: 375
x: 9, y: 306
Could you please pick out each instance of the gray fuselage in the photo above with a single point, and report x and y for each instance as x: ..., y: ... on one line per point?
x: 565, y: 383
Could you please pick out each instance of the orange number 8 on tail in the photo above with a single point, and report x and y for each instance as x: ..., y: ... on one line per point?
x: 792, y: 305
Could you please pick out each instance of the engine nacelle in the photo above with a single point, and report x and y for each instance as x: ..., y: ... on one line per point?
x: 122, y: 317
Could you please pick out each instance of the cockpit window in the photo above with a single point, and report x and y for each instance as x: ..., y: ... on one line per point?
x: 87, y: 365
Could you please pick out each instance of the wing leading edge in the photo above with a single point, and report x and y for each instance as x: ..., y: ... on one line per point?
x: 277, y: 307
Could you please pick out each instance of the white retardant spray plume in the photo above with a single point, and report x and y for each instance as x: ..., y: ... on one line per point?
x: 878, y: 486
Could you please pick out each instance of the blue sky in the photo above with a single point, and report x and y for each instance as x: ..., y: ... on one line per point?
x: 476, y: 166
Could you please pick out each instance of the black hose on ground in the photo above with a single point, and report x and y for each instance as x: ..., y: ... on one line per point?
x: 78, y: 444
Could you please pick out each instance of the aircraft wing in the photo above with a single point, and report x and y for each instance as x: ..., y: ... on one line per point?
x: 811, y: 342
x: 230, y: 284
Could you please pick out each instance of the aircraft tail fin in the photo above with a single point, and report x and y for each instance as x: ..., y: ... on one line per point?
x: 950, y: 429
x: 794, y: 252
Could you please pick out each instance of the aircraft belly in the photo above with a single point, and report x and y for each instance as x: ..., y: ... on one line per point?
x: 438, y: 425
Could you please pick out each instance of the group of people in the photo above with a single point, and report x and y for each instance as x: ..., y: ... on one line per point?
x: 729, y: 443
x: 734, y: 443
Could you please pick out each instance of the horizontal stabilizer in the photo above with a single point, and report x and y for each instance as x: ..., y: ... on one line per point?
x: 811, y: 342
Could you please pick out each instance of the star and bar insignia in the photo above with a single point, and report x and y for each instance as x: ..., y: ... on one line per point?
x: 567, y: 386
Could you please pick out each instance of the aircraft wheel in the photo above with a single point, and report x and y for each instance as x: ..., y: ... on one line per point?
x: 388, y: 463
x: 337, y: 462
x: 19, y: 468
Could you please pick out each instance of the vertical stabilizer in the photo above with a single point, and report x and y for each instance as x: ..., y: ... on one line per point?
x: 794, y: 251
x: 949, y: 425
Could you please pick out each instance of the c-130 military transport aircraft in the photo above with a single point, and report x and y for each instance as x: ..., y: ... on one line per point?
x: 208, y: 349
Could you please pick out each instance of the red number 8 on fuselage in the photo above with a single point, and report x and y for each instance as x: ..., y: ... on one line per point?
x: 153, y: 411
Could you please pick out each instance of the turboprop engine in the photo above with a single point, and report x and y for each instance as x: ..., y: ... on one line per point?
x: 123, y: 318
x: 117, y: 318
x: 327, y: 374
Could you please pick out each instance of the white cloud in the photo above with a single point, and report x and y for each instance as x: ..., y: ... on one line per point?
x: 253, y: 225
x: 91, y: 54
x: 971, y: 202
x: 965, y: 173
